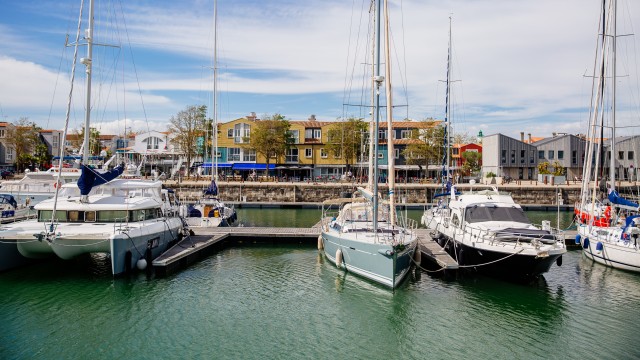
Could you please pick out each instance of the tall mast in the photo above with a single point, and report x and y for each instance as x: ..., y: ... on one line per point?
x: 372, y: 127
x: 214, y: 127
x: 612, y: 163
x: 87, y: 63
x: 390, y: 149
x: 446, y: 160
x: 376, y: 109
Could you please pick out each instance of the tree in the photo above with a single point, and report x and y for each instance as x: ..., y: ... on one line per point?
x: 23, y: 137
x: 94, y: 140
x: 426, y: 144
x: 186, y: 127
x: 471, y: 162
x: 270, y: 137
x: 344, y: 139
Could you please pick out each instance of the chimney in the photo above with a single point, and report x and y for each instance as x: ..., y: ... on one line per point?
x: 522, y: 136
x: 312, y: 117
x: 529, y: 138
x: 252, y: 116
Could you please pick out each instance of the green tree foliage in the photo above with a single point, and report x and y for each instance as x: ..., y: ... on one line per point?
x: 558, y: 169
x: 543, y: 168
x: 427, y: 146
x: 23, y: 137
x: 94, y: 140
x: 471, y: 162
x: 270, y: 137
x: 187, y: 126
x: 344, y: 139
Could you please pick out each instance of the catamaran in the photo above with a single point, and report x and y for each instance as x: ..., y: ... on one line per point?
x: 132, y: 220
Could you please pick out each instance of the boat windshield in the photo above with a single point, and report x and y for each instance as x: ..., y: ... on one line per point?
x: 474, y: 214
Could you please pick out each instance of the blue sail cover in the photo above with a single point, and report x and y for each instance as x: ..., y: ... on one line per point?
x: 90, y: 177
x: 615, y: 198
x: 212, y: 189
x: 9, y: 199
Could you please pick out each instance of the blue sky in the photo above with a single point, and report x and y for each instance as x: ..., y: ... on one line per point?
x: 520, y: 63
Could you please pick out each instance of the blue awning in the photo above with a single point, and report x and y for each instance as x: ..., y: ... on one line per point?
x: 220, y: 165
x: 78, y: 157
x: 250, y: 166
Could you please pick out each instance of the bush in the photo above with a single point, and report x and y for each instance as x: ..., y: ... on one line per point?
x: 490, y: 175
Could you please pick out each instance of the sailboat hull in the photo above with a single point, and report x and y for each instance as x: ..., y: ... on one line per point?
x: 605, y: 246
x: 374, y: 261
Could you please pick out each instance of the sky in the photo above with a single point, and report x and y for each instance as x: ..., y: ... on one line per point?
x: 517, y: 66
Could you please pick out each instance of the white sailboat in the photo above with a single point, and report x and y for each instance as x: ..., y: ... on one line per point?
x: 610, y: 240
x: 366, y: 237
x: 210, y: 211
x: 486, y: 229
x: 133, y: 220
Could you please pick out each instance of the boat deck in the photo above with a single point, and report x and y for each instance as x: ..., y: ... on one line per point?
x: 208, y: 240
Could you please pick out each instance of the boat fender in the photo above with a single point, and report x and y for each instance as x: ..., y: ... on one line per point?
x: 461, y: 257
x: 386, y: 252
x: 339, y: 258
x: 417, y: 256
x: 585, y: 244
x: 141, y: 264
x: 559, y: 261
x: 320, y: 243
x: 577, y: 239
x: 599, y: 246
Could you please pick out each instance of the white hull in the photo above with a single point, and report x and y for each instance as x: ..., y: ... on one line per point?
x: 605, y: 246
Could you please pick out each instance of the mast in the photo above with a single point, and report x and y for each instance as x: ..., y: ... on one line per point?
x: 390, y: 149
x: 372, y: 128
x: 214, y: 127
x: 446, y: 160
x: 376, y: 109
x: 612, y: 162
x: 87, y: 63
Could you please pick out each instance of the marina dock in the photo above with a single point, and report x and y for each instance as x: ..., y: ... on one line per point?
x: 206, y: 241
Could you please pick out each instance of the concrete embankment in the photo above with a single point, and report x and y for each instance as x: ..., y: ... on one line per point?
x: 527, y: 193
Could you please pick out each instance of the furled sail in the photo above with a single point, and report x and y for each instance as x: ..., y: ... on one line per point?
x: 91, y: 178
x: 621, y: 202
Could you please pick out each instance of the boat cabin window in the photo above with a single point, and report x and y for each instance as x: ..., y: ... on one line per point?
x: 476, y: 213
x: 112, y: 215
x: 45, y: 215
x: 146, y: 214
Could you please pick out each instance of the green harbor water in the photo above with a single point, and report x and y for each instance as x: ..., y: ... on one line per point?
x: 288, y: 302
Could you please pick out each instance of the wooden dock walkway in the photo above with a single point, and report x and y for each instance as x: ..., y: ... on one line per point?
x: 208, y: 240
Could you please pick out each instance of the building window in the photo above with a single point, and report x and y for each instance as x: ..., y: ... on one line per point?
x: 382, y: 134
x: 455, y: 151
x: 540, y: 154
x: 531, y: 156
x: 249, y: 155
x: 560, y: 154
x: 229, y: 133
x: 630, y: 155
x: 291, y: 156
x: 551, y: 154
x: 9, y: 154
x: 323, y: 153
x: 1, y: 133
x: 620, y: 155
x: 308, y: 153
x: 523, y: 156
x: 153, y: 143
x: 315, y: 134
x: 233, y: 154
x: 396, y: 153
x: 513, y: 156
x: 405, y: 134
x: 504, y: 157
x: 295, y: 136
x: 574, y: 157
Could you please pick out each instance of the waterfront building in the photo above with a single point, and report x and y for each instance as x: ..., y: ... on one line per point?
x: 7, y: 153
x: 566, y: 149
x: 508, y: 157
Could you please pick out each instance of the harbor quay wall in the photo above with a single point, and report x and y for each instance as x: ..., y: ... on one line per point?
x: 530, y: 193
